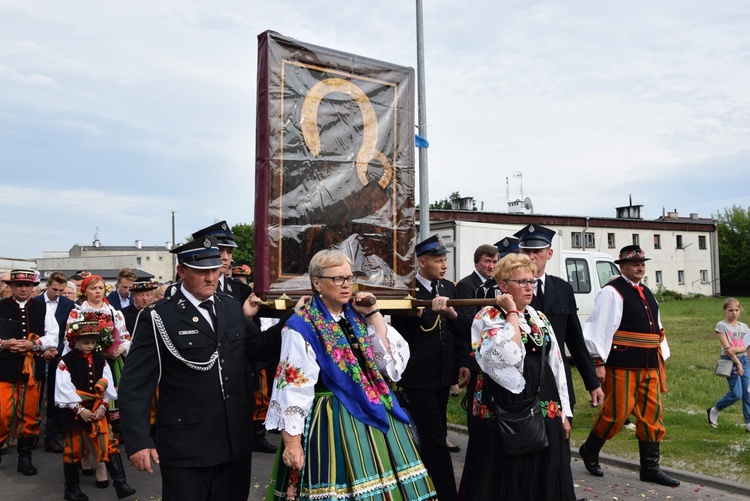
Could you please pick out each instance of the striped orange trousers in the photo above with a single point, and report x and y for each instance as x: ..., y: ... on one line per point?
x: 105, y: 444
x: 631, y: 392
x: 22, y: 400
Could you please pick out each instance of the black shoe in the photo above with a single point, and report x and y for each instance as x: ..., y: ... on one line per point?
x: 658, y: 477
x: 591, y: 461
x: 53, y: 446
x: 86, y: 473
x: 72, y: 483
x: 454, y: 448
x: 102, y: 484
x: 117, y: 472
x: 264, y: 445
x: 24, y: 456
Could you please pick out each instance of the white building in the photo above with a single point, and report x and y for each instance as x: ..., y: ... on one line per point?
x: 684, y: 251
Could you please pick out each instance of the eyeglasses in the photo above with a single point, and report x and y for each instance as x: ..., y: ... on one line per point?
x: 522, y: 282
x: 340, y: 280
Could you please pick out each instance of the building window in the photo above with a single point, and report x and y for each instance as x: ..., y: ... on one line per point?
x: 575, y: 239
x: 657, y: 241
x: 138, y: 261
x: 148, y: 258
x: 704, y: 276
x: 658, y: 277
x: 636, y: 239
x: 161, y: 258
x: 611, y: 240
x: 679, y: 242
x: 681, y: 277
x: 702, y: 242
x: 590, y: 240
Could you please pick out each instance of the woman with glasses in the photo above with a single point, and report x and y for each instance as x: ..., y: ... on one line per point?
x: 344, y: 434
x: 507, y: 340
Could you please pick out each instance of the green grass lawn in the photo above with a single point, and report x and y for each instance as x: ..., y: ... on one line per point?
x: 690, y: 444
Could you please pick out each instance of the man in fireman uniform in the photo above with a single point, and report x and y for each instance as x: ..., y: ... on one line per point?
x: 626, y: 340
x: 27, y: 338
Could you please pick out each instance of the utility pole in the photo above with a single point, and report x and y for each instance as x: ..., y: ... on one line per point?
x: 174, y: 256
x: 424, y: 192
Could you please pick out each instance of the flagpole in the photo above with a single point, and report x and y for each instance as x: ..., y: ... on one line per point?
x: 424, y: 192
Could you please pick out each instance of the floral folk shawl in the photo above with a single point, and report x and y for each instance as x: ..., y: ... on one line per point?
x: 362, y: 390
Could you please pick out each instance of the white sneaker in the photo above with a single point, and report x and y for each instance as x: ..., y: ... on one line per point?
x: 713, y: 417
x: 747, y: 427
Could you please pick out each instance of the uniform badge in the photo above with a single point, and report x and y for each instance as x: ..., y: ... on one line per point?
x: 506, y: 243
x: 207, y: 243
x: 531, y: 228
x: 224, y: 226
x: 195, y: 319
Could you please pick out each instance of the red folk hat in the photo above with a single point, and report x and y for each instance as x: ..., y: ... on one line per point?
x: 23, y: 277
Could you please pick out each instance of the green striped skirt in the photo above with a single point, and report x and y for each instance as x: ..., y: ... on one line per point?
x: 346, y: 459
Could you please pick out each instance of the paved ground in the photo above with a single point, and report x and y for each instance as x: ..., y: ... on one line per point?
x: 620, y: 482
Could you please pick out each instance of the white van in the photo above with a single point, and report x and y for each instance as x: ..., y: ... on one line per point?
x: 587, y: 272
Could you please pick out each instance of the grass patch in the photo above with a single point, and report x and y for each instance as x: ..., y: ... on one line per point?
x: 690, y: 444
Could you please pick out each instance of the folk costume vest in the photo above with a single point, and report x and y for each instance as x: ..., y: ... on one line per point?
x: 31, y: 318
x: 640, y: 315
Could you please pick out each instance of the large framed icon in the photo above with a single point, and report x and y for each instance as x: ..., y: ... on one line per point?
x: 334, y: 166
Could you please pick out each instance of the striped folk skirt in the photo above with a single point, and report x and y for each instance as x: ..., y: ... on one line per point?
x: 346, y: 459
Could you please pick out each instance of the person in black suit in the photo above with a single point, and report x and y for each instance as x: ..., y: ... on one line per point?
x: 224, y: 236
x: 120, y: 297
x: 438, y: 340
x: 195, y: 346
x: 59, y: 307
x: 554, y: 297
x: 485, y: 260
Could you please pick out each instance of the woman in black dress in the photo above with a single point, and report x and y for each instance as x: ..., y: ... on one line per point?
x: 507, y: 341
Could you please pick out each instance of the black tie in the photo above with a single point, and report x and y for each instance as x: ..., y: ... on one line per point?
x: 540, y: 292
x: 434, y: 284
x: 209, y: 306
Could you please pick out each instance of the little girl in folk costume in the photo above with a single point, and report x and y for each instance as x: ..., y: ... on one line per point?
x: 83, y: 390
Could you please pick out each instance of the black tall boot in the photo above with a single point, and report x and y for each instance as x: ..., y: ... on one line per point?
x: 117, y: 472
x: 259, y: 435
x: 72, y: 483
x: 24, y: 456
x: 650, y: 471
x: 589, y: 452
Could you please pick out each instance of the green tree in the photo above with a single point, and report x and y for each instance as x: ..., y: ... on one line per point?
x: 446, y: 203
x: 244, y: 235
x: 734, y: 250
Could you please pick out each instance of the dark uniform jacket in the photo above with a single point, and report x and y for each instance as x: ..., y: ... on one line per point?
x: 238, y: 290
x: 436, y: 353
x: 30, y: 319
x: 561, y: 311
x: 203, y: 418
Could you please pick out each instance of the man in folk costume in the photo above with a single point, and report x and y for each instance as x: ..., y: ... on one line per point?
x: 27, y: 338
x: 83, y: 389
x: 625, y: 338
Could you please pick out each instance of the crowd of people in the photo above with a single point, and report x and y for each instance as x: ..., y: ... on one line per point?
x: 193, y: 380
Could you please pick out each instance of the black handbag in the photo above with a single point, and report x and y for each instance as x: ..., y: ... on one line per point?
x: 521, y: 424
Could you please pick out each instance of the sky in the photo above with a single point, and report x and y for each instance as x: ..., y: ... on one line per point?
x: 114, y: 114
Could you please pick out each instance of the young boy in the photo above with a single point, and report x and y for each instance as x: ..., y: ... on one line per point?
x: 83, y: 388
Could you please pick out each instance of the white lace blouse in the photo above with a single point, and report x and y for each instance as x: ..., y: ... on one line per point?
x: 502, y: 359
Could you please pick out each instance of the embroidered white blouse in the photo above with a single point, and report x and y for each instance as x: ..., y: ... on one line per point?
x: 502, y: 359
x: 298, y: 371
